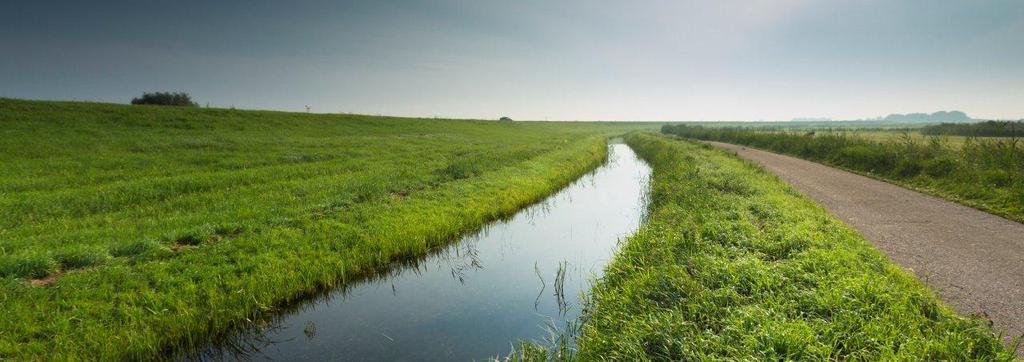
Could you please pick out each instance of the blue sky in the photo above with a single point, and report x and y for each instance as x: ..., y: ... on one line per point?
x: 566, y: 60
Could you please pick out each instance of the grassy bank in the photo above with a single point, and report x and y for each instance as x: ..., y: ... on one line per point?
x: 734, y: 265
x: 985, y: 173
x: 130, y: 231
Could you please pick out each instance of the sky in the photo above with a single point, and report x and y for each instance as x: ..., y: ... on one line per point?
x: 531, y: 59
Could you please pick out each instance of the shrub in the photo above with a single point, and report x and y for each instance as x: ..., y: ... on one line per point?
x: 998, y: 178
x: 908, y: 166
x: 864, y: 157
x: 938, y: 167
x: 180, y: 99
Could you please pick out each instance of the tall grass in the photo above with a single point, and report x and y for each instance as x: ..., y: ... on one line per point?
x: 162, y: 227
x: 981, y: 129
x: 980, y: 172
x: 734, y: 265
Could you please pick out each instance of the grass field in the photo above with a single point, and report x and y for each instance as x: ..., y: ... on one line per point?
x: 985, y: 173
x: 734, y: 265
x: 127, y: 232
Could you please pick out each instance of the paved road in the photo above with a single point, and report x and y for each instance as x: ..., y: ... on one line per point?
x: 974, y: 260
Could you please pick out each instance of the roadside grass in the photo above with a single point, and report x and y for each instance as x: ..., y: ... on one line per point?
x: 985, y: 173
x: 980, y: 129
x: 136, y: 232
x: 902, y: 135
x: 733, y: 264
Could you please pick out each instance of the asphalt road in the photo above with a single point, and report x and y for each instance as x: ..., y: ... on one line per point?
x: 973, y: 259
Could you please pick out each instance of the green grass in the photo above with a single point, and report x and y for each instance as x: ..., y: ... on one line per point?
x: 168, y: 226
x: 894, y: 136
x: 985, y: 173
x: 980, y: 129
x: 734, y: 265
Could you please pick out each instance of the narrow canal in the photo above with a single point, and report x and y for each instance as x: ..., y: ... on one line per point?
x: 514, y: 280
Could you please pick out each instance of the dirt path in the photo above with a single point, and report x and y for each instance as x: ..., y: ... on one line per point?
x: 974, y: 260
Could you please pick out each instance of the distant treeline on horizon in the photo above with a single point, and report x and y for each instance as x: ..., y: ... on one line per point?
x: 937, y: 117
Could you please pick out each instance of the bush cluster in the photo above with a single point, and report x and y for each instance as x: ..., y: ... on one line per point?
x: 180, y: 99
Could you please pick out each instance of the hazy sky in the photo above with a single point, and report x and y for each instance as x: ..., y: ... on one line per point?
x: 579, y: 59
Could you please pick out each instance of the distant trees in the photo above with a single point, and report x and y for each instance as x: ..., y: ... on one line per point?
x: 940, y: 116
x: 504, y: 119
x: 180, y: 99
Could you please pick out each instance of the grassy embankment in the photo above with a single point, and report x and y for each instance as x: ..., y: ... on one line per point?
x: 985, y: 173
x: 733, y: 264
x: 128, y: 231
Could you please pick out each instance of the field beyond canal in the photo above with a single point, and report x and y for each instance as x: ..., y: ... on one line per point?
x: 127, y: 232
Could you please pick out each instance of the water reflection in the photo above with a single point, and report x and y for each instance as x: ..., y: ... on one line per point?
x: 515, y: 279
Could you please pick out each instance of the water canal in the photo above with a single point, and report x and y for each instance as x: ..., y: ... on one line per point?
x: 514, y: 280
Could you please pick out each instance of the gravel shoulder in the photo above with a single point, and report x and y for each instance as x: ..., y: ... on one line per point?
x: 972, y: 259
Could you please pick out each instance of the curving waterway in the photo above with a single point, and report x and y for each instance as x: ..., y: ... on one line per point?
x: 517, y: 279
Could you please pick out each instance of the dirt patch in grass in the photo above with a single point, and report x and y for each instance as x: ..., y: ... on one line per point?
x: 47, y: 280
x: 179, y: 247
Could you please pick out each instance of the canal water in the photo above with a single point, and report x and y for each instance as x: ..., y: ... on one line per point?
x: 518, y: 279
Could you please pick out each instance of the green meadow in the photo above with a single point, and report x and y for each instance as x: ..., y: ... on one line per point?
x: 733, y: 264
x: 130, y: 232
x: 144, y: 232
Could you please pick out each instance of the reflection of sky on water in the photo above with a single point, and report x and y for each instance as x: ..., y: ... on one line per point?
x: 478, y: 296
